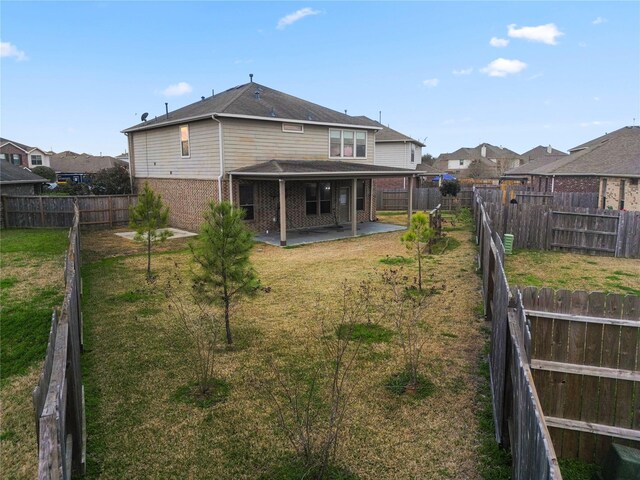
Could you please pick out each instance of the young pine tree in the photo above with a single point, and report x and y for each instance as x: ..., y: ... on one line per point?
x: 148, y: 217
x: 418, y: 239
x: 222, y: 253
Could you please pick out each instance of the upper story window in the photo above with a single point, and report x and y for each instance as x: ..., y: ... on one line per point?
x: 16, y: 158
x: 293, y: 127
x: 347, y: 144
x: 185, y: 149
x: 3, y: 156
x: 36, y: 159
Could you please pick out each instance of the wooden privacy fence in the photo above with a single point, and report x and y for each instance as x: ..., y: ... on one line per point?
x: 57, y: 212
x: 585, y: 357
x: 58, y: 398
x: 423, y: 199
x: 574, y: 229
x: 518, y: 416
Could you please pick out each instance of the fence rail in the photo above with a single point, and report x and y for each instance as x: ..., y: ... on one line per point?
x: 58, y: 212
x: 58, y: 398
x: 575, y: 229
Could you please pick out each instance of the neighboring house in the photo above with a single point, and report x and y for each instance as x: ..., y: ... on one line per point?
x: 77, y: 167
x: 609, y: 165
x: 485, y: 161
x: 17, y: 180
x: 288, y: 162
x: 535, y: 158
x: 21, y: 154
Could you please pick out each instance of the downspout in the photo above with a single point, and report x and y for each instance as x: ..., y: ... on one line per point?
x: 371, y: 219
x: 213, y: 117
x: 553, y: 178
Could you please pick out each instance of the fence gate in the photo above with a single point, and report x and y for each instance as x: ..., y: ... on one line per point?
x: 584, y: 232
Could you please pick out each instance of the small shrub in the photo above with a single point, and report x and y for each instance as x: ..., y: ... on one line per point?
x: 402, y: 383
x: 217, y: 391
x: 364, y: 332
x: 450, y: 187
x: 397, y: 260
x: 45, y: 172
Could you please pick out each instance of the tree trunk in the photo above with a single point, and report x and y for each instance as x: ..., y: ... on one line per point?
x: 419, y: 268
x: 227, y: 325
x: 148, y: 255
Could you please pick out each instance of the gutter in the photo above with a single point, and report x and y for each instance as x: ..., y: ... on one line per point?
x: 213, y: 117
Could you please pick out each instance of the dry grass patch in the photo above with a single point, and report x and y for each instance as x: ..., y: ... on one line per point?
x: 571, y: 271
x: 135, y: 363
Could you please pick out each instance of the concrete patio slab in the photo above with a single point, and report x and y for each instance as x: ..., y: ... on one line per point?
x: 328, y: 233
x: 177, y: 233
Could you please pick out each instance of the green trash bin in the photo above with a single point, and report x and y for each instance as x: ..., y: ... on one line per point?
x: 508, y: 243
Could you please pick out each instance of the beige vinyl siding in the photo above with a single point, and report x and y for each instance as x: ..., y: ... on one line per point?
x: 247, y: 142
x: 157, y: 152
x: 393, y: 154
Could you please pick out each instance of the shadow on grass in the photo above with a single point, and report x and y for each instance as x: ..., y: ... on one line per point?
x: 191, y: 394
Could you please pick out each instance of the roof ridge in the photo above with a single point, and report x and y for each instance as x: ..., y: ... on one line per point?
x: 239, y: 91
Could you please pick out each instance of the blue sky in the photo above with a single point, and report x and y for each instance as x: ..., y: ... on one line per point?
x: 516, y: 74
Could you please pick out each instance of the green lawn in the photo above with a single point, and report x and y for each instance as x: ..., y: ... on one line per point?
x: 31, y: 284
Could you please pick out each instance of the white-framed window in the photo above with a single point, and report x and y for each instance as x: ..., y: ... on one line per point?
x: 3, y: 156
x: 185, y: 149
x: 347, y: 144
x: 16, y: 158
x: 36, y: 159
x: 293, y: 127
x: 461, y: 162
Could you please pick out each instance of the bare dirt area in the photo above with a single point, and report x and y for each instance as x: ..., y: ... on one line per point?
x: 137, y: 357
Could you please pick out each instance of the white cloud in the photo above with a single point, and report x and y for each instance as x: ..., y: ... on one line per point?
x: 431, y: 82
x: 295, y: 16
x: 463, y: 71
x: 599, y: 20
x: 542, y: 33
x: 594, y: 123
x: 498, y: 42
x: 177, y: 89
x: 7, y: 49
x: 501, y: 67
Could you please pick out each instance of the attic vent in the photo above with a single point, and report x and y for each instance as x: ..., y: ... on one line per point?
x: 257, y: 93
x: 273, y: 112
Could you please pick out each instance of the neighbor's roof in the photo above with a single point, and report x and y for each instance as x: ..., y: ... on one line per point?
x: 468, y: 153
x: 71, y: 162
x: 12, y: 174
x: 319, y: 169
x: 256, y: 101
x: 387, y: 134
x: 543, y: 152
x: 21, y: 146
x: 614, y: 154
x: 427, y: 169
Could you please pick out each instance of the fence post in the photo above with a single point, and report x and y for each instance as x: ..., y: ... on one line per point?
x: 41, y: 213
x: 4, y: 211
x: 110, y: 203
x: 622, y: 220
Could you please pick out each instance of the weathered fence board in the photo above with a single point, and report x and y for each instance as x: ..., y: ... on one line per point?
x: 57, y: 212
x: 423, y: 199
x: 58, y: 399
x: 587, y: 368
x: 575, y: 229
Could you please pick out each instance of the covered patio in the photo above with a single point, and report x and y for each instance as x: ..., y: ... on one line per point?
x: 347, y: 211
x: 327, y: 233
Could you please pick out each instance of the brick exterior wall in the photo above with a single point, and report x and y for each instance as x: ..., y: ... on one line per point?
x: 391, y: 183
x: 188, y: 200
x: 566, y: 184
x: 612, y: 194
x: 10, y: 149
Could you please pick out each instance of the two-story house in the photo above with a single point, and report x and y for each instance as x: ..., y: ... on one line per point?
x: 20, y: 154
x: 485, y: 161
x: 289, y: 163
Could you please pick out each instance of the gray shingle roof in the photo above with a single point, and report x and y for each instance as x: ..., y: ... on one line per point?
x: 543, y: 152
x: 468, y: 153
x: 387, y: 134
x: 301, y: 168
x: 71, y: 162
x: 21, y: 146
x: 614, y: 154
x: 11, y: 174
x: 255, y: 100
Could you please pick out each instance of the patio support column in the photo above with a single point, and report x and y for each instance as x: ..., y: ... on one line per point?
x: 410, y: 205
x: 283, y: 214
x: 230, y: 189
x: 354, y: 204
